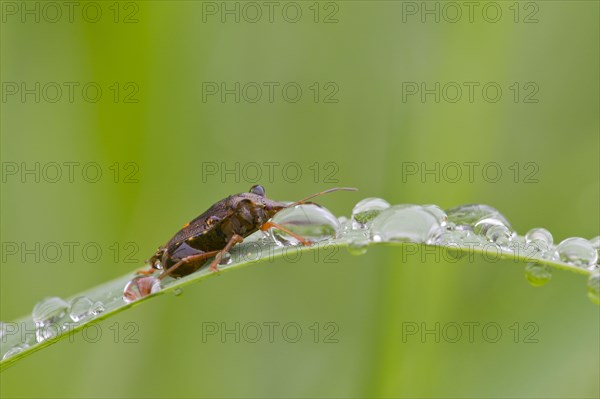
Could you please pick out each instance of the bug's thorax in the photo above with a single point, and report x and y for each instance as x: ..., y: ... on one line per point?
x: 251, y: 212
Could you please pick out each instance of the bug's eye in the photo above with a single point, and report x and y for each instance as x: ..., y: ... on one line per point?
x: 258, y: 190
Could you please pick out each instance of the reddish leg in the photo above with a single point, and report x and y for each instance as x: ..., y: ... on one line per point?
x: 148, y: 272
x: 268, y: 225
x: 235, y: 239
x: 192, y: 258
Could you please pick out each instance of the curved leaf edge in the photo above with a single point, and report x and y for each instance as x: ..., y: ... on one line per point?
x: 205, y: 273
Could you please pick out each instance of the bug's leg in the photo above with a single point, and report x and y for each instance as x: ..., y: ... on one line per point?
x: 269, y: 225
x: 187, y: 259
x: 235, y: 239
x: 143, y: 272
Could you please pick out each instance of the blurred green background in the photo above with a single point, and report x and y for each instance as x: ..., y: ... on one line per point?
x: 161, y: 58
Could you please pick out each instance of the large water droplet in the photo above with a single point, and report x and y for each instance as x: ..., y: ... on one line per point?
x: 593, y: 288
x: 366, y: 210
x: 80, y: 308
x: 537, y: 274
x: 49, y: 310
x: 310, y: 221
x: 401, y: 223
x: 540, y: 238
x: 14, y: 350
x: 476, y: 217
x: 576, y: 251
x: 177, y: 291
x: 139, y: 287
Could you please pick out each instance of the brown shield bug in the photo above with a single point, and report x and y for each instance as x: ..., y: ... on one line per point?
x: 216, y: 231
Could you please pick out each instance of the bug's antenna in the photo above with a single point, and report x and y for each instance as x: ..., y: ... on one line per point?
x: 321, y: 193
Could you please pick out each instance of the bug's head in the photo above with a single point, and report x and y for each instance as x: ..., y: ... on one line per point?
x: 155, y: 260
x: 270, y: 207
x: 273, y: 207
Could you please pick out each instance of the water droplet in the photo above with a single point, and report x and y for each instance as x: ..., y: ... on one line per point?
x: 226, y: 259
x: 453, y: 237
x: 593, y: 288
x: 476, y: 217
x: 576, y: 251
x: 310, y: 221
x: 461, y: 238
x: 358, y: 247
x: 49, y: 310
x: 177, y: 291
x: 537, y: 274
x: 14, y: 350
x: 366, y: 210
x: 80, y: 308
x: 500, y: 235
x: 406, y: 223
x: 358, y: 241
x: 540, y: 238
x: 139, y: 287
x: 345, y: 224
x: 47, y: 331
x: 98, y: 308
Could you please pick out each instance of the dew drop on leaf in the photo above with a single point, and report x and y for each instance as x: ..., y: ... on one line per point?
x: 406, y: 224
x: 593, y: 288
x: 537, y: 274
x: 577, y: 252
x: 15, y: 350
x: 476, y: 217
x: 540, y: 238
x: 499, y: 234
x: 311, y: 222
x: 139, y: 287
x: 49, y: 310
x: 366, y: 210
x: 80, y: 308
x: 97, y: 308
x: 358, y: 247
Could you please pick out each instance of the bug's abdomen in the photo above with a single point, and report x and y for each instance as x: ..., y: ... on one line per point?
x: 212, y: 240
x: 217, y: 237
